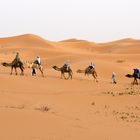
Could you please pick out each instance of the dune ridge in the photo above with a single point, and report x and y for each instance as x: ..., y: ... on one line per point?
x: 127, y: 45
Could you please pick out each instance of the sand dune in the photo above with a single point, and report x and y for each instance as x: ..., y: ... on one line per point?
x: 124, y: 46
x: 50, y: 108
x: 24, y: 41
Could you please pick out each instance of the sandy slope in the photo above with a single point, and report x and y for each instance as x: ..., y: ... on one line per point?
x: 127, y: 46
x: 79, y: 109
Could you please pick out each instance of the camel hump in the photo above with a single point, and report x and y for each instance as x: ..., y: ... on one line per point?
x: 18, y: 63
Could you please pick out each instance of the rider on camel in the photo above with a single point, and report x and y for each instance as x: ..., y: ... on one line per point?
x: 91, y: 66
x: 136, y: 72
x: 67, y: 65
x: 17, y: 58
x: 38, y: 60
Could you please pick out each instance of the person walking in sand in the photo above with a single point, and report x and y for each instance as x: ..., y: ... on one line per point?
x: 38, y: 63
x: 114, y: 78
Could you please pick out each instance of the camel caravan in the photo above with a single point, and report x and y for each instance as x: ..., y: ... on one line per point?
x: 65, y: 70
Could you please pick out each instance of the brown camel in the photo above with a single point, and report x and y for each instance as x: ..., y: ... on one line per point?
x: 88, y: 72
x: 15, y: 66
x: 34, y: 66
x: 63, y: 70
x: 135, y: 76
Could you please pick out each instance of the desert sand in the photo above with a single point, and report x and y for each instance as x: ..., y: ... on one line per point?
x: 50, y: 108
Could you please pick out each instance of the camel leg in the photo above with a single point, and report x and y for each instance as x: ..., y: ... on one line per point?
x: 71, y: 76
x: 41, y: 71
x: 21, y: 71
x: 71, y: 73
x: 61, y: 75
x: 136, y: 81
x: 95, y: 73
x: 15, y: 70
x: 67, y: 77
x: 33, y: 71
x: 133, y: 82
x: 95, y: 77
x: 11, y: 70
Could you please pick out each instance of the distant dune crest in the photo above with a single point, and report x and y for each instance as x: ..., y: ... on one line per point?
x: 127, y: 45
x: 74, y: 40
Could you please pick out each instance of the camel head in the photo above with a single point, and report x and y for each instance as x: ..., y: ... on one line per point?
x: 129, y: 75
x: 54, y: 67
x: 4, y: 64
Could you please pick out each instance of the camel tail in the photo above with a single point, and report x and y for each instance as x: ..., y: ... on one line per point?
x: 80, y: 71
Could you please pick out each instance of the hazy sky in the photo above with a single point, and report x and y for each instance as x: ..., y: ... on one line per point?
x: 94, y: 20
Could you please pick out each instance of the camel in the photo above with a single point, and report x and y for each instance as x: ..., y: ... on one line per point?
x: 15, y: 66
x: 34, y: 66
x: 135, y: 76
x: 63, y: 70
x: 88, y: 72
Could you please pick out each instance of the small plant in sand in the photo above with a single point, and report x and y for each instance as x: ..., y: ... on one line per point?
x: 93, y: 103
x: 120, y: 61
x: 42, y: 108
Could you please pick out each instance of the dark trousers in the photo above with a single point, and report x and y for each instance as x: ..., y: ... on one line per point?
x: 33, y: 72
